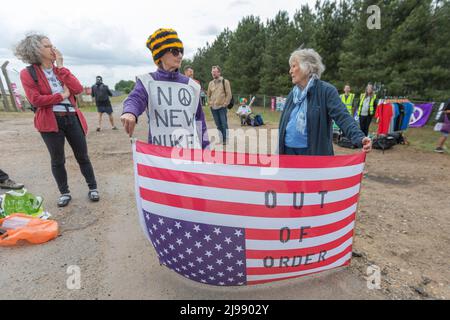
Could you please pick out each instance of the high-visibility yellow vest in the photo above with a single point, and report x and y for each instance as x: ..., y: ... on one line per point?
x: 348, y: 101
x: 371, y: 104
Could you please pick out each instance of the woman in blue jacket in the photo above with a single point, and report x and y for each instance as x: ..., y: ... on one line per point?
x: 306, y: 122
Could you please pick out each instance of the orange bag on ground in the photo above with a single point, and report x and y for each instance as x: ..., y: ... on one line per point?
x: 23, y: 229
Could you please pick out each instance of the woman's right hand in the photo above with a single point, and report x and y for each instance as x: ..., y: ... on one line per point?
x: 66, y: 93
x: 128, y: 122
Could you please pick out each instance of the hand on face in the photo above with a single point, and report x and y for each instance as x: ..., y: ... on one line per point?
x: 59, y: 58
x: 48, y: 53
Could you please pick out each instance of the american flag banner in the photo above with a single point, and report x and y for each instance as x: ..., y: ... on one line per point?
x: 233, y: 219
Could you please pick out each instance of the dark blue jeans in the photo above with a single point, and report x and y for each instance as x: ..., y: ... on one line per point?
x: 70, y: 129
x: 296, y: 151
x: 220, y: 118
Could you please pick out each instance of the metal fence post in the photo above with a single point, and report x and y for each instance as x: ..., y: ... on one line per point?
x: 4, y: 97
x: 8, y: 83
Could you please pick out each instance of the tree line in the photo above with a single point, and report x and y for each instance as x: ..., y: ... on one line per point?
x: 409, y: 55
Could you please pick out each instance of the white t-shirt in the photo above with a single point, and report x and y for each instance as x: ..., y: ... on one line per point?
x: 244, y: 110
x: 366, y: 106
x: 57, y: 87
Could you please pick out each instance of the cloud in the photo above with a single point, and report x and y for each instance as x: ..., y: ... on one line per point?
x: 210, y: 30
x: 90, y: 42
x: 108, y: 37
x: 239, y: 3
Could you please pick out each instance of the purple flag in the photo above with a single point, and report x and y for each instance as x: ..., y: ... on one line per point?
x: 421, y: 114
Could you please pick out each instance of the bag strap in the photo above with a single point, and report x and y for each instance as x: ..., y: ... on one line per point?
x: 32, y: 73
x: 224, y: 89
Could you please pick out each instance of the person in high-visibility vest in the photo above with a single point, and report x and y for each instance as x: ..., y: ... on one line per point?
x: 366, y: 110
x: 348, y: 99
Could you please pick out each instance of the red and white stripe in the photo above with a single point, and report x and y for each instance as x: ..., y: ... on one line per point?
x: 202, y: 188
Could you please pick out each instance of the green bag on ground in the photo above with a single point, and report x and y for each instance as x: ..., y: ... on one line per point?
x: 20, y: 201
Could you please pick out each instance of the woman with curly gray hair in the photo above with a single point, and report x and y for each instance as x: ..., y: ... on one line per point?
x: 306, y: 122
x: 51, y: 88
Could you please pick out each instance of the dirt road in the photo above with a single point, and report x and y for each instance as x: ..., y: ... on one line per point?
x: 402, y: 227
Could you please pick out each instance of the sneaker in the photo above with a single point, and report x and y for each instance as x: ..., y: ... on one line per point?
x: 98, y: 129
x: 10, y: 184
x: 439, y: 150
x: 64, y: 200
x: 93, y: 195
x: 115, y: 128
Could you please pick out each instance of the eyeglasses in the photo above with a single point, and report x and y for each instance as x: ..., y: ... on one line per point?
x: 176, y: 51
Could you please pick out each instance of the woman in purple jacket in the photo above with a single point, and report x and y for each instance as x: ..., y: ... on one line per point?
x: 172, y: 100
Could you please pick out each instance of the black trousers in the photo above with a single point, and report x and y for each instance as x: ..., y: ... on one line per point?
x: 70, y: 129
x: 3, y: 176
x: 364, y: 124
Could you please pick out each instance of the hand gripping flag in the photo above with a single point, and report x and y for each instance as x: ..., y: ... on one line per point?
x: 231, y: 219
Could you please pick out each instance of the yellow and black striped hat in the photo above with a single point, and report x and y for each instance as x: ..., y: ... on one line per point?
x: 161, y: 41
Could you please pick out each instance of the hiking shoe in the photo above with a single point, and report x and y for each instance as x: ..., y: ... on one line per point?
x: 439, y: 150
x: 98, y: 129
x: 93, y: 195
x: 10, y: 184
x: 64, y: 200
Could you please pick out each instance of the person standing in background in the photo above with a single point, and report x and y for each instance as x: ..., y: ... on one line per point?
x: 219, y: 96
x: 348, y: 99
x: 366, y: 110
x: 444, y: 127
x: 51, y: 88
x: 101, y: 93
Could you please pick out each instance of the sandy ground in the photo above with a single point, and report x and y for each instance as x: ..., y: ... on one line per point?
x: 402, y: 227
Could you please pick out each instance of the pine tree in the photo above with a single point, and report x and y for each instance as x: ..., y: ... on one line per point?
x: 304, y: 22
x: 280, y: 42
x: 333, y: 24
x: 244, y: 60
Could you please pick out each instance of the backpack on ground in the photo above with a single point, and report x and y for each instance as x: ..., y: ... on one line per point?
x: 255, y: 121
x: 336, y: 136
x: 383, y: 142
x: 399, y: 139
x: 337, y: 132
x: 345, y: 142
x: 259, y: 120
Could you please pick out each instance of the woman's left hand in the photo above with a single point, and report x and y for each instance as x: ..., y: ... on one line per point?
x: 367, y: 144
x: 59, y: 58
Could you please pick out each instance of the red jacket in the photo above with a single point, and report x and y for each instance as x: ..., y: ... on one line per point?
x: 40, y: 96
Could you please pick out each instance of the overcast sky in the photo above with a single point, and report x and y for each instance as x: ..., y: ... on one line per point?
x: 108, y: 37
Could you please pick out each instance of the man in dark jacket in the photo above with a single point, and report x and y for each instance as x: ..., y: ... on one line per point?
x: 101, y: 93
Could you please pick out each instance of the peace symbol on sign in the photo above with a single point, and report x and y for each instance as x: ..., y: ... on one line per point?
x: 185, y: 97
x: 416, y: 116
